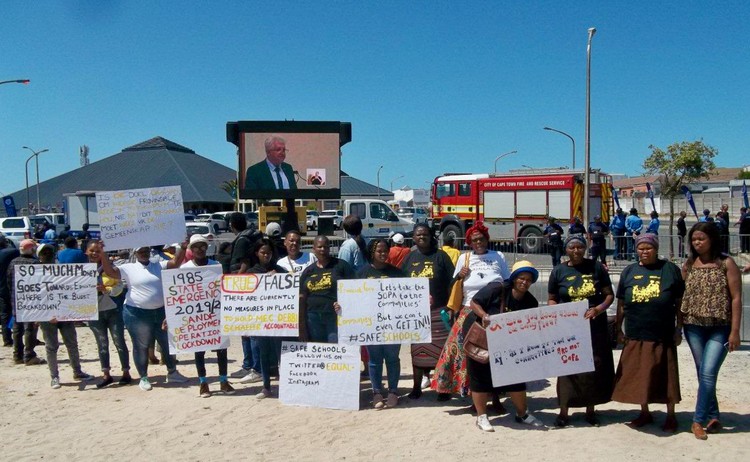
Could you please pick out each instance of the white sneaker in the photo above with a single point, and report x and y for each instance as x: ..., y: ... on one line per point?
x: 239, y: 373
x: 264, y: 393
x: 144, y: 384
x: 484, y: 423
x: 55, y: 383
x: 529, y: 420
x: 425, y: 382
x: 176, y: 377
x: 252, y: 377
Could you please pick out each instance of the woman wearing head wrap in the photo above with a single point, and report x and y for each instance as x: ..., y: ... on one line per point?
x: 476, y: 268
x: 496, y: 298
x: 434, y: 264
x: 578, y: 279
x: 648, y: 302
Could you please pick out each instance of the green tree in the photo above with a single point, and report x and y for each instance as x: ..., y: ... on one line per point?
x: 231, y: 188
x: 678, y: 165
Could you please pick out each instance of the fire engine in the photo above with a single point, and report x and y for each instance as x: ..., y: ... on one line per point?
x: 515, y: 205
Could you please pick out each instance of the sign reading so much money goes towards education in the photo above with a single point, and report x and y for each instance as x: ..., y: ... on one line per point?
x: 192, y: 302
x: 384, y: 311
x: 537, y: 343
x: 65, y: 292
x: 319, y: 375
x: 141, y: 217
x: 264, y: 305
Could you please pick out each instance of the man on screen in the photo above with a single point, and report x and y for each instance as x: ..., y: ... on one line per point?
x: 272, y: 172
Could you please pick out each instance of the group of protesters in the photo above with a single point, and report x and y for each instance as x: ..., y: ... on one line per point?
x: 657, y: 303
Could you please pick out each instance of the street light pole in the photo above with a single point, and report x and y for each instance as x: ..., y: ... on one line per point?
x: 381, y: 168
x: 501, y: 156
x: 23, y: 81
x: 571, y: 139
x: 587, y: 157
x: 34, y: 154
x: 397, y: 178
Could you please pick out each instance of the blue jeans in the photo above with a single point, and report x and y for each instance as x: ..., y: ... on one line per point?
x: 556, y: 252
x: 630, y: 252
x: 111, y: 320
x: 322, y: 326
x: 389, y: 353
x: 707, y: 346
x: 250, y: 354
x: 144, y: 326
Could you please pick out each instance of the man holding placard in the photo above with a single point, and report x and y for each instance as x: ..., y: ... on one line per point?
x: 24, y: 333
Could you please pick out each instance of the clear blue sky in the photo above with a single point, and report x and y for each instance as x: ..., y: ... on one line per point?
x: 429, y: 86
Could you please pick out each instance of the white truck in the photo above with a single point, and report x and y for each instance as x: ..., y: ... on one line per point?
x: 378, y: 218
x: 80, y: 208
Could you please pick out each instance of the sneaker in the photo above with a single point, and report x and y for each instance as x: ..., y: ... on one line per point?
x: 484, y: 423
x: 36, y: 360
x: 425, y: 382
x: 392, y: 400
x: 252, y: 377
x: 377, y: 401
x: 144, y: 384
x: 125, y: 380
x: 55, y: 383
x: 264, y: 393
x: 225, y: 387
x: 529, y: 419
x: 176, y: 377
x: 239, y: 373
x: 204, y: 392
x: 104, y: 382
x: 83, y: 376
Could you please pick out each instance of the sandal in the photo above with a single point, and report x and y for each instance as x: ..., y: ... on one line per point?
x: 562, y: 422
x: 642, y: 420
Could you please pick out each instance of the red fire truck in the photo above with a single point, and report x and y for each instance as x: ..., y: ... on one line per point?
x: 515, y: 205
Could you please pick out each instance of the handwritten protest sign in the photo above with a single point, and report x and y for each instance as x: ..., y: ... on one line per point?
x: 538, y: 343
x: 65, y: 292
x: 192, y: 302
x: 264, y: 305
x: 319, y: 375
x: 384, y: 311
x: 136, y: 217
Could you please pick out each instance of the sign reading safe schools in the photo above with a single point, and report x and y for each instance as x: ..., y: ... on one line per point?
x: 265, y: 305
x: 65, y: 292
x: 537, y: 343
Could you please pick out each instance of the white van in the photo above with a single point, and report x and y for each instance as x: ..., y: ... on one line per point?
x: 378, y: 218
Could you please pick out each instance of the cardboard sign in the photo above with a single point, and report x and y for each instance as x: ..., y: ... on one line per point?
x: 65, y: 292
x: 384, y: 311
x: 261, y: 305
x: 192, y: 302
x: 319, y: 375
x: 537, y: 343
x: 139, y: 217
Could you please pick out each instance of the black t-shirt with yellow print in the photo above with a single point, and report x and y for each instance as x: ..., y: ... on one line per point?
x: 581, y: 282
x: 436, y: 266
x: 320, y: 285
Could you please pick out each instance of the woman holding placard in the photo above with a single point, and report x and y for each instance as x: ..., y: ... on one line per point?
x: 430, y: 262
x: 476, y: 269
x: 109, y: 322
x: 495, y: 298
x: 585, y: 279
x: 378, y: 268
x: 648, y: 303
x: 198, y: 246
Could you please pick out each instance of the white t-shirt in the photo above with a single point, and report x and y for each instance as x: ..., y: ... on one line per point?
x: 296, y: 266
x: 144, y: 284
x: 485, y: 268
x: 191, y: 264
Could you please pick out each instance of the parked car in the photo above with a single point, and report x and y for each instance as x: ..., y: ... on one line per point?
x: 189, y: 217
x: 215, y: 221
x: 57, y: 220
x: 415, y: 214
x: 203, y: 229
x: 337, y: 215
x: 312, y: 219
x: 16, y: 229
x: 252, y: 219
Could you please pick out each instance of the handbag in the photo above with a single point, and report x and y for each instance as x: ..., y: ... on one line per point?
x: 456, y: 298
x: 475, y: 344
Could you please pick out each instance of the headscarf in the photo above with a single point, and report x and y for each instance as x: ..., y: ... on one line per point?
x: 648, y: 238
x: 477, y: 228
x: 575, y: 238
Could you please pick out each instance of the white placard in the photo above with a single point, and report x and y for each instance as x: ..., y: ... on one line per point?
x: 65, y: 292
x: 538, y: 343
x: 384, y: 311
x: 141, y: 217
x: 192, y: 303
x: 261, y: 305
x: 319, y: 375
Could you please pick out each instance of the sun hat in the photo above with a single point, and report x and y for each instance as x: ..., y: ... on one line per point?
x: 524, y: 266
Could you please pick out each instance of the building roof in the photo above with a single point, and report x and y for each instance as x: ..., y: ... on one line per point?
x: 352, y: 187
x: 151, y: 163
x: 720, y: 175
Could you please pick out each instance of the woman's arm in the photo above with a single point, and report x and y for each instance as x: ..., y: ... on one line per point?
x: 595, y: 311
x: 618, y: 321
x: 481, y: 314
x: 107, y: 268
x: 735, y: 294
x: 179, y: 256
x: 678, y: 322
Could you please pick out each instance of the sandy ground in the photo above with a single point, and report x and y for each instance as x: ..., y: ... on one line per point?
x: 79, y: 422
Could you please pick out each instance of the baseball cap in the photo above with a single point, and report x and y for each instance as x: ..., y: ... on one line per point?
x: 398, y: 238
x: 197, y: 239
x: 27, y: 244
x: 273, y: 229
x: 42, y: 247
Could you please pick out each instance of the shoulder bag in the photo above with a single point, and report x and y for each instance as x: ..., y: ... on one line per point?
x: 455, y: 301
